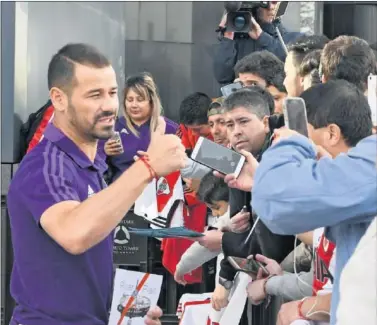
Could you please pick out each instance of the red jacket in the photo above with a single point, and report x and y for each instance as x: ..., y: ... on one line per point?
x: 195, y: 218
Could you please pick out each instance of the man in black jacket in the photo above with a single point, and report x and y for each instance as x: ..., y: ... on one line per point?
x: 247, y: 118
x: 263, y: 36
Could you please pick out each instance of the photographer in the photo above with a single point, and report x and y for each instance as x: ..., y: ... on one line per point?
x: 263, y: 36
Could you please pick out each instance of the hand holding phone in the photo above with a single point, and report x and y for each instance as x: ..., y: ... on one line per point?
x: 249, y: 266
x: 217, y: 157
x: 294, y: 109
x: 114, y: 145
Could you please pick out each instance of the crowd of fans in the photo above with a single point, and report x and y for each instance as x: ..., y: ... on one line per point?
x: 310, y: 202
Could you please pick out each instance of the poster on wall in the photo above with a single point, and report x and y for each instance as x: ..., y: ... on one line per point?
x: 130, y: 249
x: 134, y: 293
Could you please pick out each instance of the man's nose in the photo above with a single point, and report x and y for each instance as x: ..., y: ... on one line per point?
x: 111, y: 104
x: 216, y: 129
x: 237, y: 130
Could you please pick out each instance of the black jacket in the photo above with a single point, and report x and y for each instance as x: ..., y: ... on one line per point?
x: 229, y: 52
x: 262, y: 241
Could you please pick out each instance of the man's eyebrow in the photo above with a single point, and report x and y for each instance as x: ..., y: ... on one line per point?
x: 242, y: 118
x: 98, y: 90
x: 92, y: 91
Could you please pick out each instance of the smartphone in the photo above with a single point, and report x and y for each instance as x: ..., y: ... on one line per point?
x: 116, y: 138
x: 249, y: 266
x: 217, y: 157
x: 231, y: 88
x: 280, y: 9
x: 294, y: 110
x: 372, y: 97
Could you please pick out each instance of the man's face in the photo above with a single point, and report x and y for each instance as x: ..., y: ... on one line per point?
x: 93, y: 104
x: 267, y: 14
x: 292, y: 81
x: 278, y: 98
x: 200, y: 129
x: 250, y: 79
x: 245, y: 130
x: 218, y: 129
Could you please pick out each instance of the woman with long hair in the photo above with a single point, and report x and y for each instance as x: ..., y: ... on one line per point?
x: 141, y: 111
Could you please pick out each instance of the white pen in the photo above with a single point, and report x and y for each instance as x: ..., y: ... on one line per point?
x: 251, y: 231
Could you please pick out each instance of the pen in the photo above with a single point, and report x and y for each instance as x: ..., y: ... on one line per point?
x: 251, y: 231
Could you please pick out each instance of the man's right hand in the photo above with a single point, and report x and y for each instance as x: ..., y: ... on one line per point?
x: 113, y: 147
x: 166, y: 153
x: 240, y: 222
x: 229, y: 35
x: 271, y: 265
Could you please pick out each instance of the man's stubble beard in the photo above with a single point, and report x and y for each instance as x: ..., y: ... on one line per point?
x: 87, y: 133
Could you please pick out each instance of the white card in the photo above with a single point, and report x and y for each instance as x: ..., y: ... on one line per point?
x: 125, y: 283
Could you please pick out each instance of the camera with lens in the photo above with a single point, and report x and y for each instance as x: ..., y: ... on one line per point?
x: 239, y: 14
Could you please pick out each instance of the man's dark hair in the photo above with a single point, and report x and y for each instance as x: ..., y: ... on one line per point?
x: 349, y: 58
x: 265, y: 65
x: 310, y: 65
x: 250, y: 99
x: 266, y: 94
x: 61, y: 69
x: 213, y: 189
x: 342, y: 103
x: 304, y: 45
x: 194, y: 108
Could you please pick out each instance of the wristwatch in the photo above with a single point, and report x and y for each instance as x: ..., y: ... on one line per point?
x: 227, y: 284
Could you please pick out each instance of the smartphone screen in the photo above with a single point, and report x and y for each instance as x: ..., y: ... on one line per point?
x: 116, y: 137
x: 249, y: 266
x: 295, y: 115
x: 217, y: 157
x: 280, y: 9
x: 372, y: 97
x: 231, y: 88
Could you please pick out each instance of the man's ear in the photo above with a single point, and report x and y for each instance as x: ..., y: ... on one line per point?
x: 335, y: 134
x: 59, y: 99
x: 266, y: 124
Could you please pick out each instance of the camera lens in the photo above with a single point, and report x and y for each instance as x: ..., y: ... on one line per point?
x: 239, y: 22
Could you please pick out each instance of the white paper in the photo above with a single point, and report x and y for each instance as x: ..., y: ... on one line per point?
x: 233, y: 312
x: 125, y: 283
x: 372, y: 97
